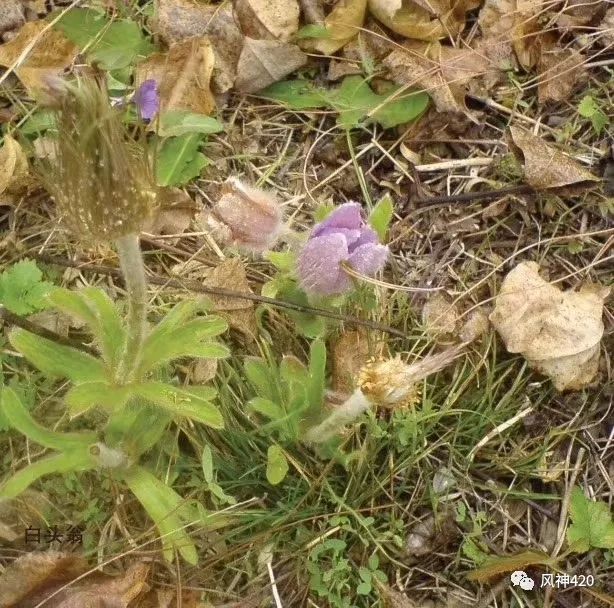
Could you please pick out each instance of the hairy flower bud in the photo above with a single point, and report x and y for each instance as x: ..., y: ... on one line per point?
x: 253, y: 216
x: 102, y: 183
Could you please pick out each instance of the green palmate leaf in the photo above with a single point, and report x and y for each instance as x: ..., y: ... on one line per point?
x: 56, y: 360
x: 276, y: 466
x: 22, y: 289
x: 178, y: 160
x: 76, y: 460
x: 164, y: 344
x: 110, y: 44
x: 381, y: 216
x: 182, y: 122
x: 592, y: 523
x: 82, y: 397
x: 267, y: 408
x: 95, y: 308
x: 191, y: 402
x: 19, y: 418
x: 167, y: 510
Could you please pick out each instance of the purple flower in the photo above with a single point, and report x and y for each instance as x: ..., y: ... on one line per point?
x: 342, y: 237
x: 147, y: 99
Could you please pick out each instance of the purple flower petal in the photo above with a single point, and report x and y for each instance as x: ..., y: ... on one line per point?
x: 319, y: 265
x: 347, y: 216
x: 367, y: 235
x: 147, y: 99
x: 369, y: 258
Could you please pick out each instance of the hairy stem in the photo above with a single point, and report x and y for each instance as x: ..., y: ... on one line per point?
x: 133, y: 270
x: 347, y: 412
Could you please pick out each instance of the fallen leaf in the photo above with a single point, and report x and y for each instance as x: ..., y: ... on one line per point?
x: 394, y: 599
x: 35, y: 54
x: 606, y: 28
x: 267, y: 19
x: 496, y: 21
x: 544, y: 165
x: 575, y: 13
x: 13, y: 170
x: 497, y: 566
x: 475, y: 325
x: 176, y: 212
x: 558, y: 332
x: 342, y: 24
x: 203, y: 370
x: 423, y: 19
x: 180, y: 19
x: 350, y: 352
x: 12, y: 16
x: 440, y: 317
x: 560, y: 71
x: 183, y: 75
x: 440, y: 71
x: 263, y: 62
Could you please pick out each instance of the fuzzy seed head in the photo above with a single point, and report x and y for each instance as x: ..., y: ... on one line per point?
x: 102, y: 183
x: 385, y: 383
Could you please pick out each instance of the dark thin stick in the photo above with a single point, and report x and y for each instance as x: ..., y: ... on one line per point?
x: 474, y: 196
x: 227, y: 293
x: 11, y: 318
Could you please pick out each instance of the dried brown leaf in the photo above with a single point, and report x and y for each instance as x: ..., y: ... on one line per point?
x: 343, y: 24
x: 544, y: 165
x: 263, y: 62
x: 174, y: 215
x: 203, y: 370
x: 181, y: 19
x: 350, y: 352
x: 560, y: 71
x: 14, y: 175
x: 184, y: 75
x: 423, y: 19
x: 502, y: 565
x: 558, y: 332
x: 606, y: 28
x: 50, y: 53
x: 440, y: 317
x: 268, y: 19
x: 441, y: 71
x: 12, y: 15
x: 394, y: 599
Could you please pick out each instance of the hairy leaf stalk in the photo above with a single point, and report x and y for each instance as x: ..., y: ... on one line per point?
x: 133, y: 269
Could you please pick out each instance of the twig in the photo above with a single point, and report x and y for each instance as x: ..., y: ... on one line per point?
x: 226, y: 293
x: 11, y: 318
x: 474, y: 196
x: 455, y: 163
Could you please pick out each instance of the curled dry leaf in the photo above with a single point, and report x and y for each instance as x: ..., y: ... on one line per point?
x: 544, y: 165
x: 560, y: 71
x: 440, y: 317
x: 441, y: 71
x: 558, y: 332
x: 263, y: 62
x: 181, y: 19
x: 36, y: 53
x: 14, y: 175
x: 183, y: 75
x: 268, y: 19
x: 423, y: 19
x: 343, y: 23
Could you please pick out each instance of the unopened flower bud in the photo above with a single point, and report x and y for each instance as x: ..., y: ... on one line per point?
x: 253, y: 216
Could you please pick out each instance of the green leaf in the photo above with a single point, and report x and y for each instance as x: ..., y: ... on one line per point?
x: 178, y: 160
x: 587, y: 106
x: 183, y: 401
x: 182, y: 122
x: 260, y: 376
x: 57, y: 360
x: 381, y: 216
x: 317, y: 375
x: 365, y: 574
x: 167, y: 510
x: 308, y: 324
x: 218, y: 492
x: 110, y: 44
x: 22, y: 289
x: 277, y: 465
x: 164, y: 345
x: 293, y: 372
x: 207, y: 464
x: 39, y: 122
x: 592, y: 523
x: 79, y: 460
x: 82, y: 397
x: 19, y: 418
x: 312, y: 31
x: 296, y: 94
x: 282, y: 260
x: 267, y: 408
x: 95, y: 308
x: 364, y: 588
